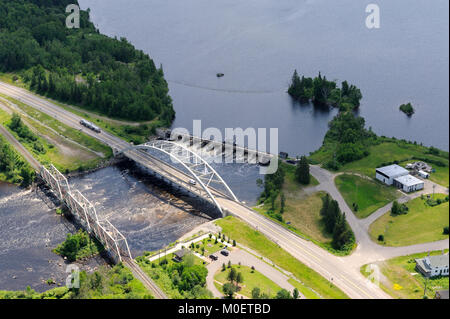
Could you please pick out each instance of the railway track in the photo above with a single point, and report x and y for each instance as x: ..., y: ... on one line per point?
x: 143, y: 277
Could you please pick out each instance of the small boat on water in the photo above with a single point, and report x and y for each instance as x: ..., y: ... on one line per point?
x: 219, y: 75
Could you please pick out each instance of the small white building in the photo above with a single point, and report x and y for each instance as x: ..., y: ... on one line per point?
x: 387, y: 174
x: 408, y: 183
x: 432, y: 266
x: 423, y: 174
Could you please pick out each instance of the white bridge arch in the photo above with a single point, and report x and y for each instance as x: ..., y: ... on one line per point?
x: 198, y: 168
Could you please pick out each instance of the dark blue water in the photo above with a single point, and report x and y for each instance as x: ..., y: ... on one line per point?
x: 258, y: 43
x: 29, y: 230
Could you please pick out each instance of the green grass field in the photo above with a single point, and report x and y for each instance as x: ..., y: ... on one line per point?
x: 403, y: 281
x: 251, y: 280
x: 290, y: 179
x: 253, y: 239
x: 58, y: 151
x: 421, y: 224
x: 370, y: 195
x: 209, y: 245
x: 302, y: 211
x: 64, y: 130
x: 388, y: 151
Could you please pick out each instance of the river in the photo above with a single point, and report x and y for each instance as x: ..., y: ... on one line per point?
x: 149, y: 213
x: 257, y: 44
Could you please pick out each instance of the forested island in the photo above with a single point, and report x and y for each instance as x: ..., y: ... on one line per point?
x: 80, y: 66
x: 407, y: 109
x: 323, y: 92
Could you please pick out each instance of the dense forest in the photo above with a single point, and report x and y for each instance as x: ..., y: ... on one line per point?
x: 80, y: 66
x: 321, y: 91
x: 349, y: 138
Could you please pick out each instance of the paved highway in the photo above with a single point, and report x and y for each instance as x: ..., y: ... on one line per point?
x: 329, y: 266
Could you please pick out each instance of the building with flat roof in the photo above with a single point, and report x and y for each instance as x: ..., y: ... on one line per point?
x: 408, y: 183
x: 423, y: 174
x: 432, y: 266
x: 387, y: 174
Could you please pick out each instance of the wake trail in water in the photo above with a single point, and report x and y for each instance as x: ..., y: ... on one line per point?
x: 283, y: 89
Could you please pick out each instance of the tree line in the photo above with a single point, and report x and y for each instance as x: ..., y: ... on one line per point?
x: 80, y: 66
x: 323, y: 92
x: 348, y: 139
x: 336, y: 224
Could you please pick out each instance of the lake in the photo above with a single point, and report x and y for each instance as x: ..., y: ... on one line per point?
x: 258, y: 44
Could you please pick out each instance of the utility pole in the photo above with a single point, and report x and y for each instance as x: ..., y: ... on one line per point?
x: 425, y: 288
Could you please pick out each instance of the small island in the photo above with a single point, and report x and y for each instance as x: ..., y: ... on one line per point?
x: 322, y: 92
x: 407, y: 109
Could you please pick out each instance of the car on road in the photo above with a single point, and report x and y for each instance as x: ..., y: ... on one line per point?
x: 213, y: 257
x: 225, y: 252
x: 192, y: 182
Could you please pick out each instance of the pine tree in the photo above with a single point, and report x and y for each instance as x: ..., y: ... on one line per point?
x: 283, y: 203
x: 342, y: 234
x: 302, y: 171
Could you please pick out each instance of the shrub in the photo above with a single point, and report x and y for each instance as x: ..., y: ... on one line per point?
x: 380, y: 237
x: 445, y: 230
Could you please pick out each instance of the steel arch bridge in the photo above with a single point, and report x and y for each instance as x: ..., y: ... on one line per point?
x: 199, y: 169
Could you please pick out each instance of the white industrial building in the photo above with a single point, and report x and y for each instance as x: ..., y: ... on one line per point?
x: 408, y: 183
x: 387, y: 174
x: 399, y: 177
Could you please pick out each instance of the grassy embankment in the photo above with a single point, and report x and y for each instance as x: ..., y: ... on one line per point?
x: 390, y: 150
x: 421, y: 224
x: 252, y: 279
x: 368, y: 194
x: 302, y: 211
x: 311, y: 281
x: 136, y: 132
x: 65, y: 147
x: 402, y: 280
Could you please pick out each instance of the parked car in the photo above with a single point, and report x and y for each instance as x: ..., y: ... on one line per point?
x: 213, y: 257
x: 224, y: 252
